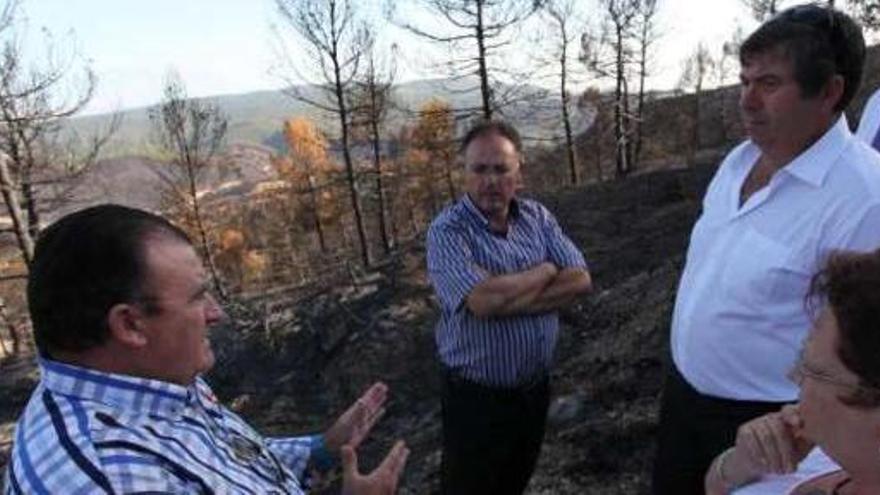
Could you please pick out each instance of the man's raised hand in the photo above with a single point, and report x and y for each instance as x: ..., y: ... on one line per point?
x: 382, y: 481
x: 357, y: 421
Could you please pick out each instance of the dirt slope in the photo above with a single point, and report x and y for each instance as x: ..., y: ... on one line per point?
x: 610, y: 358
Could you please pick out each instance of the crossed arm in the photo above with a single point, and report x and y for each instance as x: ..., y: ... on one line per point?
x: 539, y: 289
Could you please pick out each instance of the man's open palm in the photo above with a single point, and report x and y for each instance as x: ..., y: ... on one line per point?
x: 357, y: 421
x: 382, y: 481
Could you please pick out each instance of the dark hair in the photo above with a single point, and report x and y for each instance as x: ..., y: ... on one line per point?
x: 489, y: 127
x: 820, y: 42
x: 84, y: 264
x: 850, y: 285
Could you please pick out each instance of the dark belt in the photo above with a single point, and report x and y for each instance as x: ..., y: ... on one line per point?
x: 710, y: 403
x: 534, y: 383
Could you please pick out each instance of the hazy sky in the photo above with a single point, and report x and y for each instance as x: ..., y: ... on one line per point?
x: 227, y: 46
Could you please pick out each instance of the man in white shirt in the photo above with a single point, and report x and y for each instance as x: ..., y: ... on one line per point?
x: 800, y: 187
x: 869, y: 123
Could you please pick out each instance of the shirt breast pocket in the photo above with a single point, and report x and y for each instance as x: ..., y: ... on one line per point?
x: 762, y: 273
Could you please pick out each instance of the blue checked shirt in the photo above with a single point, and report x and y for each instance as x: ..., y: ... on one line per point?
x: 89, y: 432
x: 500, y: 351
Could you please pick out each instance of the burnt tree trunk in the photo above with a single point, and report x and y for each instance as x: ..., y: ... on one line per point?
x: 483, y: 70
x: 566, y: 118
x: 349, y: 163
x: 13, y: 207
x: 377, y: 165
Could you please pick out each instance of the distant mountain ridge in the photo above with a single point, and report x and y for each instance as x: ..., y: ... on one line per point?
x: 257, y: 117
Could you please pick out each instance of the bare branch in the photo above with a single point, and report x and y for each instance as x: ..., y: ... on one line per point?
x: 35, y: 100
x: 479, y: 26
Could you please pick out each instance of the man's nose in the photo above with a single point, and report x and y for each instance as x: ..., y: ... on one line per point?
x: 748, y: 97
x: 213, y: 311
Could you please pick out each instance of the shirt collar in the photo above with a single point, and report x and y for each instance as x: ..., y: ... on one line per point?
x: 126, y: 392
x: 813, y: 164
x: 475, y: 211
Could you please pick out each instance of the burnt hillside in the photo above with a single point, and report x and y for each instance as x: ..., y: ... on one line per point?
x: 613, y: 348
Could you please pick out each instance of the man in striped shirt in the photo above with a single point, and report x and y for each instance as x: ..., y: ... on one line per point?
x: 121, y: 307
x: 501, y: 267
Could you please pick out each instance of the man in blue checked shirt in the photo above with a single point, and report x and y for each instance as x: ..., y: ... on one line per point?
x: 501, y: 267
x: 121, y: 308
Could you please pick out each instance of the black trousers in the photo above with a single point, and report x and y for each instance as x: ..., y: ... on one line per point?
x: 694, y: 428
x: 491, y: 437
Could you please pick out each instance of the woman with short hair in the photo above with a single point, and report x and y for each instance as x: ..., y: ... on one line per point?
x: 829, y: 442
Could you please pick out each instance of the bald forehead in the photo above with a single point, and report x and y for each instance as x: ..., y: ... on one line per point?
x: 488, y: 133
x: 491, y: 149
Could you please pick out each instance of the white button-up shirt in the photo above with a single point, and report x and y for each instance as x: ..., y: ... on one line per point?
x: 869, y: 123
x: 739, y: 316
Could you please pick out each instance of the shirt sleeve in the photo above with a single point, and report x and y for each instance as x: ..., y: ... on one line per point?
x: 561, y: 250
x: 295, y: 453
x: 451, y: 266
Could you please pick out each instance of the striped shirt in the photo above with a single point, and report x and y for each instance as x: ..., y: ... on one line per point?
x: 88, y: 432
x: 461, y: 250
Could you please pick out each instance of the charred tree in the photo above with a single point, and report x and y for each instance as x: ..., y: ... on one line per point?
x: 646, y: 36
x: 476, y: 34
x: 336, y: 45
x: 697, y: 69
x: 190, y: 132
x: 560, y: 15
x: 610, y: 56
x: 372, y: 101
x: 43, y: 162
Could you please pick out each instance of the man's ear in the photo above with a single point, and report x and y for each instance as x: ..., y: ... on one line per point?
x: 833, y: 91
x: 125, y: 322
